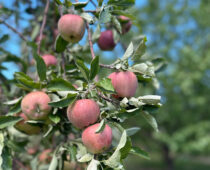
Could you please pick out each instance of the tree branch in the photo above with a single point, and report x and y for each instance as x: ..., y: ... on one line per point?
x: 14, y: 30
x: 90, y: 41
x: 42, y: 26
x: 93, y: 3
x: 107, y: 66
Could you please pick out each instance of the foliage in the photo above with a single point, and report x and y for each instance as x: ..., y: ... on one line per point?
x: 78, y: 75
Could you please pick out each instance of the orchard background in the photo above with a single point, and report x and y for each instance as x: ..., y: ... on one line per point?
x: 177, y: 62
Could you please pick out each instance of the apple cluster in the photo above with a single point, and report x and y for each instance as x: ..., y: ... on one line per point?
x: 84, y: 113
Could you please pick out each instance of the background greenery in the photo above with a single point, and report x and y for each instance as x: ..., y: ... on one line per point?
x: 177, y: 31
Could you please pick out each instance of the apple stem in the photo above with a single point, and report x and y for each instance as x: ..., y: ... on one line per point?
x: 42, y: 26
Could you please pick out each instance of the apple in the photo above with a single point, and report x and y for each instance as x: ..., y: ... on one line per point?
x: 97, y: 142
x: 125, y: 83
x: 71, y: 27
x: 35, y: 105
x: 49, y: 60
x: 125, y: 23
x: 45, y: 156
x: 83, y: 112
x: 106, y: 40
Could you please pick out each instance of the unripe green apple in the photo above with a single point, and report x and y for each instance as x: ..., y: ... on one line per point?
x: 71, y: 27
x: 106, y: 40
x: 49, y: 60
x: 125, y: 83
x: 97, y: 142
x: 25, y: 127
x: 83, y: 113
x: 126, y: 23
x: 35, y: 105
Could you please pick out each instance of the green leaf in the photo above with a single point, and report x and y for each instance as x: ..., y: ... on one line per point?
x: 132, y: 131
x: 1, y: 147
x: 40, y: 66
x: 15, y: 109
x: 26, y: 81
x: 106, y: 85
x: 69, y: 99
x: 60, y: 44
x: 150, y: 99
x: 100, y: 2
x: 79, y: 5
x: 97, y: 33
x: 129, y: 52
x: 124, y: 3
x: 139, y: 47
x: 73, y: 152
x: 84, y: 70
x: 12, y: 102
x: 117, y: 24
x: 7, y: 159
x: 6, y: 121
x: 53, y: 163
x: 88, y: 18
x: 151, y: 120
x: 93, y: 165
x: 60, y: 84
x: 105, y: 15
x: 86, y: 158
x: 55, y: 118
x: 58, y: 2
x: 139, y: 152
x: 126, y: 149
x: 67, y: 3
x: 101, y: 126
x: 114, y: 160
x: 94, y: 67
x: 4, y: 38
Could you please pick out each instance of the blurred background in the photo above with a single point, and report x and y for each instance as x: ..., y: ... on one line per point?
x: 177, y: 31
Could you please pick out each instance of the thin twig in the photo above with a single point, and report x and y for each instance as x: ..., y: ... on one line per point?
x: 14, y: 30
x: 93, y: 3
x: 108, y: 99
x: 90, y: 41
x: 91, y: 11
x: 43, y: 25
x: 107, y: 66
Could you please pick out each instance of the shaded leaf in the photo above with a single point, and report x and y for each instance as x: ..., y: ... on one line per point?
x: 94, y: 67
x: 60, y: 44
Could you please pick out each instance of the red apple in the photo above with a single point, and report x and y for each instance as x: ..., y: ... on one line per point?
x: 83, y: 113
x: 49, y: 60
x: 125, y: 83
x: 71, y: 27
x: 45, y: 156
x: 35, y: 105
x: 106, y: 40
x: 126, y: 23
x: 97, y: 142
x: 25, y: 127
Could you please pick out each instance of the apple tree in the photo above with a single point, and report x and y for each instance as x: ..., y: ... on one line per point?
x: 67, y: 107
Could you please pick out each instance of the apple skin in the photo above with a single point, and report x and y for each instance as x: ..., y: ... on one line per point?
x: 26, y: 128
x: 49, y: 60
x: 45, y: 156
x: 126, y: 23
x: 35, y: 105
x: 83, y: 112
x: 97, y: 142
x: 71, y: 27
x: 106, y: 41
x: 125, y: 83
